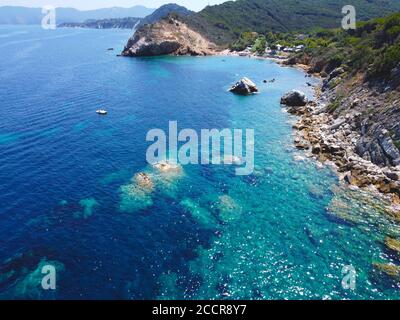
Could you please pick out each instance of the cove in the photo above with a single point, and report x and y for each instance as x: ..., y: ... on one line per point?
x: 283, y: 232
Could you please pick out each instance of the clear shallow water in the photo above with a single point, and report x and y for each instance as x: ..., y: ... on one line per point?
x: 65, y: 177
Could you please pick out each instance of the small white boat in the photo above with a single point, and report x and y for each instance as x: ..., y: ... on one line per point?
x: 101, y: 112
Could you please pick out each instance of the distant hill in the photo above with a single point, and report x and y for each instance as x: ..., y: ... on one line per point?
x: 118, y: 23
x: 130, y: 22
x: 23, y: 15
x: 164, y: 11
x: 225, y: 22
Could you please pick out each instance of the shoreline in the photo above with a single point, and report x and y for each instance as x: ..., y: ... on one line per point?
x: 316, y: 133
x: 331, y: 141
x: 278, y: 59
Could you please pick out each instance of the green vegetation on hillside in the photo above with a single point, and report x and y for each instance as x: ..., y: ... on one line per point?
x: 373, y: 48
x: 245, y: 40
x: 227, y: 22
x: 260, y: 45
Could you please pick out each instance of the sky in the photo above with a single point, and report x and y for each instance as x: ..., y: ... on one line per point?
x: 195, y: 5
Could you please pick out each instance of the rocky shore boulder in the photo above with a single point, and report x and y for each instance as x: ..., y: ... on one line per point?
x: 143, y: 49
x: 244, y: 87
x: 294, y: 98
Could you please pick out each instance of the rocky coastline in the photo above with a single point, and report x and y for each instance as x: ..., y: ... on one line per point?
x: 345, y: 140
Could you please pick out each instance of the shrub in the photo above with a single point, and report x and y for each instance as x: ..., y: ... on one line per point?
x: 386, y: 62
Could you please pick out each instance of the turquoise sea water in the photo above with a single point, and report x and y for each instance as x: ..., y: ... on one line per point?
x: 67, y: 198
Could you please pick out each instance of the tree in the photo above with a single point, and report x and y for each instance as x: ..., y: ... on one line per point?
x: 260, y: 45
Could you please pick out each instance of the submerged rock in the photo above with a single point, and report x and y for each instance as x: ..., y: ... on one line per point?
x: 88, y: 206
x: 294, y: 98
x: 166, y: 177
x: 389, y: 269
x: 63, y: 203
x: 16, y: 265
x: 316, y: 192
x: 134, y: 197
x: 229, y: 210
x: 26, y: 279
x: 200, y: 214
x: 167, y: 167
x: 393, y: 244
x: 366, y: 208
x: 244, y: 87
x: 144, y: 181
x: 138, y: 194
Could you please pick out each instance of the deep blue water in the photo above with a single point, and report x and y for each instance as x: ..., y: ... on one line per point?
x: 284, y: 232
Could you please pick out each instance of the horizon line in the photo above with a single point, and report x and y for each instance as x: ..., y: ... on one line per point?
x: 40, y: 7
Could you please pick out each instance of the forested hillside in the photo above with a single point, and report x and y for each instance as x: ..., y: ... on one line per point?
x: 224, y: 23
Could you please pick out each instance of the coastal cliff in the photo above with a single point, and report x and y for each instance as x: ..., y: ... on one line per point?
x: 355, y: 122
x: 168, y: 36
x: 358, y: 138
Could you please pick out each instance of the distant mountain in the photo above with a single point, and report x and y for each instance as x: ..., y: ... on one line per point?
x: 129, y: 23
x: 225, y: 22
x: 164, y: 11
x: 118, y: 23
x: 23, y: 15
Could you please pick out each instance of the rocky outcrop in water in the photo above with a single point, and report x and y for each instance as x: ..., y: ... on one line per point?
x: 294, y: 98
x: 168, y: 36
x: 244, y: 87
x: 355, y: 127
x: 363, y: 156
x: 388, y: 269
x: 393, y: 245
x: 335, y: 140
x: 144, y: 181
